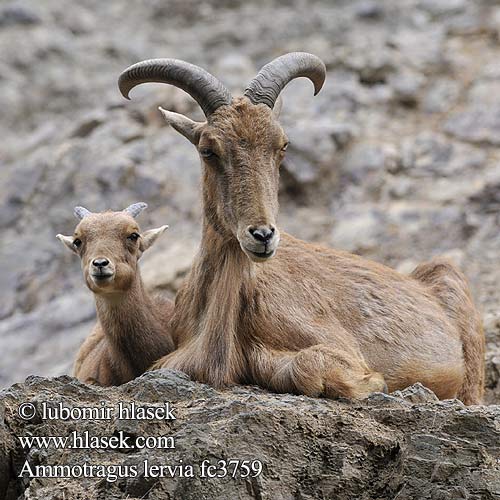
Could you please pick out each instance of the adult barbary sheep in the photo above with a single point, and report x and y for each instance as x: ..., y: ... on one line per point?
x: 310, y: 320
x: 132, y: 329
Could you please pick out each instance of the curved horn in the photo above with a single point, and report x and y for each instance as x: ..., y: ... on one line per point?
x: 204, y: 88
x: 272, y: 78
x: 81, y: 212
x: 135, y: 209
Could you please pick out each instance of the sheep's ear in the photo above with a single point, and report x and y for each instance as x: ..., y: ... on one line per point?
x: 277, y: 107
x: 190, y: 129
x: 67, y: 241
x: 150, y: 236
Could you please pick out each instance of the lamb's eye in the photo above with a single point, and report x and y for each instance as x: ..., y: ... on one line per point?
x: 285, y: 146
x: 207, y: 153
x: 133, y: 237
x: 77, y: 243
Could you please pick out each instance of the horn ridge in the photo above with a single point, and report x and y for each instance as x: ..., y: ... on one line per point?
x: 203, y: 87
x: 274, y: 76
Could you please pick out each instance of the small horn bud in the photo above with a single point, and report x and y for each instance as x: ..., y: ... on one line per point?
x: 81, y: 212
x: 136, y: 208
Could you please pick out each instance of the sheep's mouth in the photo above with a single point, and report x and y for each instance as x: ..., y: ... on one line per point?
x: 263, y: 255
x: 259, y: 251
x: 260, y: 256
x: 102, y: 277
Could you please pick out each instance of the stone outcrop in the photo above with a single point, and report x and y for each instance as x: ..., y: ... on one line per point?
x: 407, y: 445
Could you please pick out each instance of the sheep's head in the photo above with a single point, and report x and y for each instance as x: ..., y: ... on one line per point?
x: 109, y: 245
x: 241, y: 144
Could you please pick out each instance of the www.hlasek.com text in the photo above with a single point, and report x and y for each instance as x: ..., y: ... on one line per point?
x: 86, y: 441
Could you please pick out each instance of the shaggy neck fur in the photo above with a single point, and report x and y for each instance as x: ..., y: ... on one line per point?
x: 131, y: 326
x: 219, y: 293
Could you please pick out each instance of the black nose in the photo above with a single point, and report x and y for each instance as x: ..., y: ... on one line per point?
x: 262, y: 233
x: 100, y: 262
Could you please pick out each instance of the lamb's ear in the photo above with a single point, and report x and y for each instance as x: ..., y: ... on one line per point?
x: 150, y: 236
x: 67, y: 241
x: 190, y: 129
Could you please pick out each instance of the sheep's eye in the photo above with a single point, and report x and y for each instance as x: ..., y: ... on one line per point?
x: 77, y: 243
x: 133, y: 237
x: 207, y: 153
x: 285, y: 146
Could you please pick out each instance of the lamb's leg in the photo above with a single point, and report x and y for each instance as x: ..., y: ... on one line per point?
x: 93, y: 364
x: 95, y: 368
x: 89, y: 349
x: 319, y: 370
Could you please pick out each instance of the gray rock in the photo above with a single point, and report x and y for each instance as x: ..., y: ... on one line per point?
x: 364, y: 159
x: 417, y: 393
x: 358, y: 228
x: 56, y: 331
x: 343, y: 133
x: 492, y: 382
x: 87, y: 124
x: 373, y: 64
x: 444, y: 7
x: 487, y: 199
x: 237, y: 69
x: 369, y: 9
x: 399, y: 187
x: 407, y: 86
x: 310, y: 146
x: 483, y: 93
x: 369, y: 167
x: 440, y: 95
x: 476, y: 124
x: 424, y: 48
x: 374, y: 448
x: 16, y: 14
x: 430, y: 154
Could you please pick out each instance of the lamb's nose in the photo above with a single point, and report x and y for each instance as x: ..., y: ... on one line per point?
x: 100, y: 262
x: 262, y: 233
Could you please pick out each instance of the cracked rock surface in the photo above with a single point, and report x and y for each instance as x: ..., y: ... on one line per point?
x: 396, y: 159
x: 407, y: 445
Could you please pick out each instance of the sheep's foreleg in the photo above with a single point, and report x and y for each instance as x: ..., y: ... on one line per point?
x: 319, y: 370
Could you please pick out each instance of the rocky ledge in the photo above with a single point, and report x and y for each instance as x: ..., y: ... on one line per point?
x: 406, y: 445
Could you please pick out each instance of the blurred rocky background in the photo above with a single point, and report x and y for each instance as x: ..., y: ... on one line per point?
x: 396, y: 159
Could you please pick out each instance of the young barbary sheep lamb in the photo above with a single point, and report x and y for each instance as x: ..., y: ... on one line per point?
x: 132, y: 329
x: 301, y: 318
